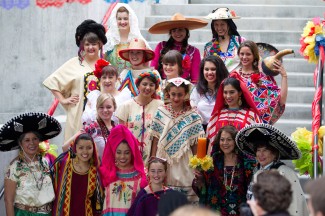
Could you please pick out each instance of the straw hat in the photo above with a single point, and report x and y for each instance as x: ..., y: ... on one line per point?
x: 248, y: 137
x: 177, y: 21
x: 222, y: 13
x: 47, y: 126
x: 137, y: 44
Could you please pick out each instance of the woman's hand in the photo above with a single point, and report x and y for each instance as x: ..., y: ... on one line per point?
x: 72, y: 100
x: 198, y: 179
x: 278, y: 67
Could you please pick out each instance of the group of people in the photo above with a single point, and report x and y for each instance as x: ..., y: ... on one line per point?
x: 134, y: 116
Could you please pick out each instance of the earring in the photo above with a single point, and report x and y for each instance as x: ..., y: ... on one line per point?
x: 240, y: 101
x: 116, y: 163
x: 91, y: 162
x: 76, y: 160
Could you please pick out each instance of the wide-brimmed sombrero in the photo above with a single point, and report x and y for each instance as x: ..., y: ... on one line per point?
x: 47, y: 126
x: 222, y: 13
x: 177, y: 21
x: 248, y: 137
x: 137, y: 44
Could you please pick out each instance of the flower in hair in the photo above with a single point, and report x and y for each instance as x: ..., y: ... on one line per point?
x: 100, y: 64
x: 186, y: 63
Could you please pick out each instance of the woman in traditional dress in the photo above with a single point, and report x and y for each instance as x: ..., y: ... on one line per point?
x: 225, y: 37
x: 28, y: 184
x: 203, y: 97
x: 179, y: 30
x: 269, y: 145
x: 146, y: 202
x: 137, y: 113
x: 122, y: 28
x: 99, y: 128
x: 268, y: 97
x: 234, y: 106
x: 224, y: 188
x: 175, y: 130
x: 78, y: 189
x: 108, y: 78
x: 138, y: 55
x: 68, y: 83
x: 122, y: 171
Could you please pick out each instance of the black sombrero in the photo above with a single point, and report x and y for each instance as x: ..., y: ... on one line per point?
x: 47, y: 126
x: 248, y: 137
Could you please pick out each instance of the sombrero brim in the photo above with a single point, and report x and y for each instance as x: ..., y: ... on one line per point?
x: 47, y: 126
x: 286, y: 147
x: 165, y: 26
x: 124, y: 54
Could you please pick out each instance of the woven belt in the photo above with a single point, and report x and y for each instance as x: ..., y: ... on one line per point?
x: 47, y: 208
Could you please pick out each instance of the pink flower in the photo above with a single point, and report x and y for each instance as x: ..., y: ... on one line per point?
x: 92, y: 85
x: 186, y: 63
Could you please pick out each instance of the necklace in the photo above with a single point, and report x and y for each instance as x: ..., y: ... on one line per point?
x: 81, y: 169
x: 154, y: 194
x: 225, y: 178
x: 39, y: 182
x: 233, y: 118
x: 245, y: 75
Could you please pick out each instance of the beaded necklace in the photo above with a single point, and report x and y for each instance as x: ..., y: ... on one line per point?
x: 225, y: 178
x: 39, y: 182
x: 154, y: 194
x: 215, y: 49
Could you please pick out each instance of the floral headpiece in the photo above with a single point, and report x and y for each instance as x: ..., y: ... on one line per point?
x: 186, y: 63
x: 179, y: 81
x: 312, y: 38
x: 148, y: 74
x: 100, y: 64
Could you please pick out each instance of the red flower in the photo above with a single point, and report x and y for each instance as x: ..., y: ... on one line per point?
x: 186, y: 63
x: 100, y: 64
x: 233, y: 13
x: 92, y: 85
x: 255, y: 78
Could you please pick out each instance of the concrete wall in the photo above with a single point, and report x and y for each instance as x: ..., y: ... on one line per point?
x: 34, y: 43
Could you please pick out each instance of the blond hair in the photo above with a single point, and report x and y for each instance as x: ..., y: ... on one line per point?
x: 103, y: 97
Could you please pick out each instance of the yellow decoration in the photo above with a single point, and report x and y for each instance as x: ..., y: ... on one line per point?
x: 202, y: 164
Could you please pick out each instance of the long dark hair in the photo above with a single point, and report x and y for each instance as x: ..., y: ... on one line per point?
x: 169, y: 46
x: 236, y: 84
x: 221, y: 74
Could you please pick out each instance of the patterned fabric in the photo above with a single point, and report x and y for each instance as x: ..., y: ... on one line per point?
x: 121, y: 193
x: 230, y: 58
x: 27, y: 192
x: 138, y: 119
x: 176, y: 135
x: 266, y: 96
x: 113, y: 57
x: 91, y: 83
x: 237, y: 118
x: 20, y: 212
x: 214, y: 193
x: 192, y: 73
x: 63, y: 171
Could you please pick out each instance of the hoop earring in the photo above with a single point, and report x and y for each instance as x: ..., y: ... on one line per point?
x: 76, y: 160
x: 240, y: 102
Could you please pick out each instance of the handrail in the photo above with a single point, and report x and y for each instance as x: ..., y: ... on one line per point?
x: 317, y: 109
x: 2, y: 192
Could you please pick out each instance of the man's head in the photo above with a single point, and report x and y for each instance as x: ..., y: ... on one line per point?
x: 316, y: 201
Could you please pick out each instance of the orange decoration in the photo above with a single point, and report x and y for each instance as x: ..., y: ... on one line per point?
x: 202, y: 147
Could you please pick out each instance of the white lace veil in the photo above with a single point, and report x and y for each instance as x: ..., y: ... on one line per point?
x: 113, y: 35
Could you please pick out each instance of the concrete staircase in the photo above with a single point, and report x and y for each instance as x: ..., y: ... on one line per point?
x: 277, y: 22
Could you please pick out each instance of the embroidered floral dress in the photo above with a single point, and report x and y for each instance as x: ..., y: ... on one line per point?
x: 230, y: 58
x: 113, y: 57
x: 266, y: 96
x: 121, y: 193
x: 177, y: 133
x: 192, y: 65
x: 138, y: 119
x: 225, y: 187
x: 30, y: 189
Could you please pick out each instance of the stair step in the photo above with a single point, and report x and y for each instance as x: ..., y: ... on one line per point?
x: 242, y: 10
x: 261, y: 2
x: 272, y: 23
x: 288, y: 126
x: 266, y: 36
